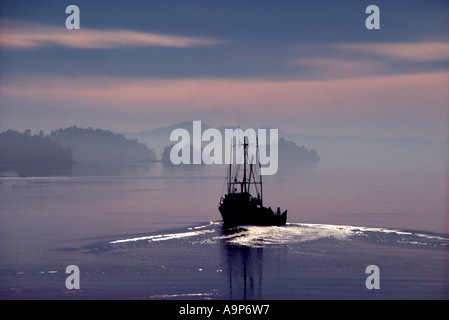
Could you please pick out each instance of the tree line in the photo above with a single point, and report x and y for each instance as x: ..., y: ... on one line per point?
x: 23, y: 151
x: 103, y: 147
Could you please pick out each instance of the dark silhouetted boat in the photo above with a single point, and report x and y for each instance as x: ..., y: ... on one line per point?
x: 238, y: 206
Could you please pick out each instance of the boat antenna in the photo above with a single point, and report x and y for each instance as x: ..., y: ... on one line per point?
x: 245, y: 155
x: 260, y: 170
x: 238, y: 119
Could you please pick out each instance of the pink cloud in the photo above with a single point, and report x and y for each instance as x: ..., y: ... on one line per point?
x: 355, y: 60
x: 418, y: 51
x: 392, y: 94
x: 419, y: 100
x: 27, y: 36
x: 332, y: 67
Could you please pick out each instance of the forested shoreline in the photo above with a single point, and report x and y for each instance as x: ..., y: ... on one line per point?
x: 21, y: 151
x: 34, y: 154
x: 31, y: 155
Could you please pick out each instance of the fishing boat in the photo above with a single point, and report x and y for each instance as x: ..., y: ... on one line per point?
x: 238, y: 206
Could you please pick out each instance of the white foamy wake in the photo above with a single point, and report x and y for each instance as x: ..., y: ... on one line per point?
x: 256, y: 236
x: 168, y: 236
x: 386, y: 231
x: 292, y: 233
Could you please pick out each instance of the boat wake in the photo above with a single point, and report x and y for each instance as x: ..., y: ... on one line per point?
x: 207, y: 261
x: 291, y: 234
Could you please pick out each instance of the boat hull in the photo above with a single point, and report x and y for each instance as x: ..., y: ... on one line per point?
x: 237, y: 213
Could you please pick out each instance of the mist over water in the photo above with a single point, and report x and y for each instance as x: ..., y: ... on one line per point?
x: 154, y: 232
x: 362, y: 121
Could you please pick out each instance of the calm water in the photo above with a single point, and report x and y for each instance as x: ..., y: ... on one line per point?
x: 150, y: 232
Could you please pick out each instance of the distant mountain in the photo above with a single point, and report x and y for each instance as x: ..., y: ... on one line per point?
x: 350, y: 152
x: 289, y: 152
x: 166, y: 159
x: 160, y: 138
x: 96, y: 146
x: 380, y: 154
x: 351, y: 139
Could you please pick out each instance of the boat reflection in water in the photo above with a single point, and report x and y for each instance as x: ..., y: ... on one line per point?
x: 244, y: 268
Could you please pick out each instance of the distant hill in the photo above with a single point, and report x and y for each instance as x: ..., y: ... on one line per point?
x: 166, y: 160
x: 96, y: 146
x: 386, y: 154
x: 290, y: 154
x: 160, y: 138
x: 401, y: 154
x: 32, y: 154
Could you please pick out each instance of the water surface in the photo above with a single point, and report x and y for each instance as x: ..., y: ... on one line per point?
x: 149, y: 232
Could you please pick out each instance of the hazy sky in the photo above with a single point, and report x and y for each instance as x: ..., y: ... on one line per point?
x: 310, y: 67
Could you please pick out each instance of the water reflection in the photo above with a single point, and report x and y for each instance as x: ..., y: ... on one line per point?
x: 244, y: 267
x: 83, y: 170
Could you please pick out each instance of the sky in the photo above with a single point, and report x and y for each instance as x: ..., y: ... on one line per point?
x: 309, y: 67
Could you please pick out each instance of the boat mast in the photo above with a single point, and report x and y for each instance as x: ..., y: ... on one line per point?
x: 245, y: 155
x: 251, y: 176
x: 230, y: 170
x: 260, y: 170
